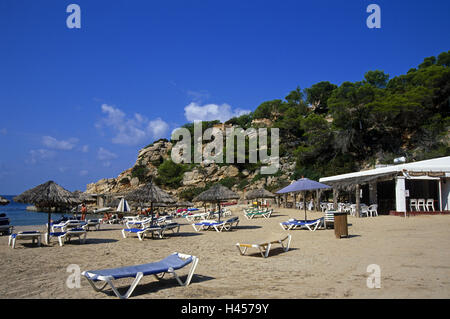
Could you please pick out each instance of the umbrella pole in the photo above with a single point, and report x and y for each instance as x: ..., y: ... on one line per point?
x: 48, y: 225
x: 151, y: 210
x: 304, y: 203
x: 218, y: 203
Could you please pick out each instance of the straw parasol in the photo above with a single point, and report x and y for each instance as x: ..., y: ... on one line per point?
x: 3, y: 201
x: 215, y: 194
x: 48, y: 195
x: 150, y: 193
x: 259, y: 193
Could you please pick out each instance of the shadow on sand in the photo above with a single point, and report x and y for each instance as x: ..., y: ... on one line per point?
x: 150, y: 287
x: 273, y: 252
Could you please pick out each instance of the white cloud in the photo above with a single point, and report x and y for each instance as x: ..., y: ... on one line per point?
x: 40, y: 155
x: 131, y: 130
x: 53, y: 143
x: 198, y: 95
x: 158, y: 128
x: 209, y: 112
x: 84, y: 172
x: 103, y: 154
x: 85, y: 148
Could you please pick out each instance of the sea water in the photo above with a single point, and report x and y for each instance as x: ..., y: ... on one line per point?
x: 20, y: 216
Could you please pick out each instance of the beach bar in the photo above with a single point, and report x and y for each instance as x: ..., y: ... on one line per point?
x: 421, y: 187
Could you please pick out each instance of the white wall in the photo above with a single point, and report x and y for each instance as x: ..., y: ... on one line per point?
x: 446, y: 193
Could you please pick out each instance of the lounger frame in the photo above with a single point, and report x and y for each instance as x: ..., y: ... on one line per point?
x: 109, y: 279
x: 264, y: 248
x: 33, y: 236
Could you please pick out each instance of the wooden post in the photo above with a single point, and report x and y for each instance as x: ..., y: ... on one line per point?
x: 335, y: 198
x: 358, y: 201
x: 295, y: 200
x: 317, y: 201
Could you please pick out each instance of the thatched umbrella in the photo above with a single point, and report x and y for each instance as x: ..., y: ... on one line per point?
x: 3, y: 201
x: 215, y: 194
x: 48, y: 195
x: 150, y: 193
x: 259, y: 193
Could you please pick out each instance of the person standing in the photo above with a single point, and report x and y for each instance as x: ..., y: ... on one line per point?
x: 83, y: 211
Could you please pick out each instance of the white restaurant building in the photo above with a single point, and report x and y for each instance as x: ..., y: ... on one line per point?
x: 393, y: 187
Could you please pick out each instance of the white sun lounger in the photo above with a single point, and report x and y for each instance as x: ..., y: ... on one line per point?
x: 197, y: 216
x: 93, y: 223
x: 158, y: 269
x: 311, y: 225
x: 265, y: 245
x: 141, y: 232
x: 33, y: 235
x: 67, y: 235
x: 218, y: 226
x: 138, y: 223
x: 71, y: 223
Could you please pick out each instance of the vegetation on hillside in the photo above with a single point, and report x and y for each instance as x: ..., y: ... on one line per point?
x: 329, y: 129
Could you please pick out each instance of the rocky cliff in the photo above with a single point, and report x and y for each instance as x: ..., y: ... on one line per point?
x: 198, y: 175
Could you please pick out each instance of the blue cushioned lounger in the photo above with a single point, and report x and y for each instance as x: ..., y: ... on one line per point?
x: 218, y: 226
x: 312, y: 225
x: 158, y: 269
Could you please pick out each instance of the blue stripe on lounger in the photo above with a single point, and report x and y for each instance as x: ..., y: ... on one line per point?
x: 172, y: 261
x: 30, y: 232
x: 133, y: 230
x: 57, y: 233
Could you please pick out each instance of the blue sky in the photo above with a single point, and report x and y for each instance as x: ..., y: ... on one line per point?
x: 78, y: 104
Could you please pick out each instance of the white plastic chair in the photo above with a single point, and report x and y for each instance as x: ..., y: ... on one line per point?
x: 421, y: 203
x: 413, y: 204
x: 373, y: 210
x: 430, y: 205
x: 364, y: 210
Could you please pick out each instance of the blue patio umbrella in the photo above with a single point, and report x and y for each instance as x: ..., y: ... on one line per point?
x: 303, y: 185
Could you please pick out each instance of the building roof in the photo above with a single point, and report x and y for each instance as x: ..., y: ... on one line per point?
x: 438, y: 166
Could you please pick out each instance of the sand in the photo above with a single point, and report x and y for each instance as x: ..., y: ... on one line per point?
x: 412, y: 253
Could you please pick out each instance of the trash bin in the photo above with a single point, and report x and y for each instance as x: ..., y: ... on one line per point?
x: 340, y: 225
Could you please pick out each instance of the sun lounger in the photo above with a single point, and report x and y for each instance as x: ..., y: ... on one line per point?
x: 265, y: 245
x: 218, y: 226
x: 138, y: 223
x: 263, y: 213
x: 311, y: 225
x: 6, y: 229
x: 93, y: 223
x: 71, y: 223
x: 67, y: 235
x: 158, y: 269
x: 33, y: 235
x: 141, y: 232
x: 197, y: 216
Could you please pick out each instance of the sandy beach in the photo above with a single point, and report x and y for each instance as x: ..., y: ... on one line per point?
x: 413, y: 255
